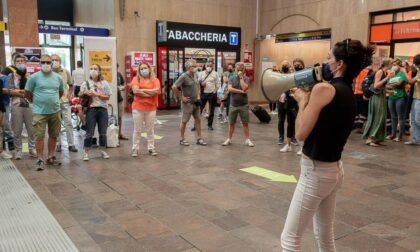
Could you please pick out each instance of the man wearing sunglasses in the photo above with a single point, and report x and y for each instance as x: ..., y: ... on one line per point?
x: 44, y: 89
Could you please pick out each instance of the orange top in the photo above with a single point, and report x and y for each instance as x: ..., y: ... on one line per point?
x: 145, y: 103
x: 358, y: 82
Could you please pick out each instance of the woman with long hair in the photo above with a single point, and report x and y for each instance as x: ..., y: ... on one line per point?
x: 375, y: 129
x: 99, y: 91
x: 146, y: 88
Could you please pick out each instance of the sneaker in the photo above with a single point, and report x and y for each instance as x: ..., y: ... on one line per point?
x: 281, y: 141
x: 274, y: 112
x: 18, y: 155
x: 295, y: 142
x: 227, y: 142
x: 210, y: 128
x: 104, y: 155
x: 85, y: 156
x: 153, y: 152
x: 299, y: 153
x: 5, y: 155
x: 72, y: 148
x: 39, y: 166
x: 411, y: 143
x: 249, y: 143
x: 58, y: 148
x: 134, y: 153
x: 286, y: 148
x: 193, y: 129
x: 390, y: 137
x: 33, y: 153
x: 219, y: 116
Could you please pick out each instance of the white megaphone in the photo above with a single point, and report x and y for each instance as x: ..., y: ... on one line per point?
x: 274, y: 83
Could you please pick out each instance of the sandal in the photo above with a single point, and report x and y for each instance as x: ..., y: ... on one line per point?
x: 53, y: 161
x: 200, y: 141
x: 373, y: 144
x: 184, y: 142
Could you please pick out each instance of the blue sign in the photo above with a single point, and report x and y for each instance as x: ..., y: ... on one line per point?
x: 73, y: 30
x: 233, y: 38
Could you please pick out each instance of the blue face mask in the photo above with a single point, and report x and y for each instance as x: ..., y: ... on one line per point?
x: 144, y: 72
x: 326, y: 72
x: 21, y: 67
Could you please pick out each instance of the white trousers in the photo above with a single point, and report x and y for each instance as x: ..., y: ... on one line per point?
x: 314, y: 198
x: 66, y: 118
x: 144, y: 119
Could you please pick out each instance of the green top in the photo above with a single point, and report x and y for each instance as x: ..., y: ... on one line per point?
x: 399, y: 92
x: 45, y: 89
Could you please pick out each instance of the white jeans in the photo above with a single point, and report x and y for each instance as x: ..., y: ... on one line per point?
x: 144, y: 119
x: 66, y: 118
x: 314, y: 198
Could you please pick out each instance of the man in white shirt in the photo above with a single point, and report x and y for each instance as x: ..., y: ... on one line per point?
x: 209, y: 81
x: 78, y: 75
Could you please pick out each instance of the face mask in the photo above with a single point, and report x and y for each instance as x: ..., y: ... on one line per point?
x: 414, y: 65
x: 285, y: 69
x: 144, y: 72
x: 208, y: 69
x: 55, y: 64
x: 195, y: 69
x: 230, y: 70
x: 46, y: 68
x: 326, y: 72
x: 93, y: 73
x: 21, y: 67
x: 395, y: 68
x: 298, y: 68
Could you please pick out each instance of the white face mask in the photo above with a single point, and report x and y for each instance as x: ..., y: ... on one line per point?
x: 46, y: 68
x: 195, y: 69
x: 55, y: 64
x: 208, y: 69
x: 93, y: 73
x: 395, y: 68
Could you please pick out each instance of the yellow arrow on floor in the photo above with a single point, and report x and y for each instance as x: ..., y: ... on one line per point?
x: 25, y: 147
x: 269, y: 174
x: 157, y: 137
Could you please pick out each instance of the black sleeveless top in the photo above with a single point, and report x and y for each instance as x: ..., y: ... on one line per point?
x: 335, y: 122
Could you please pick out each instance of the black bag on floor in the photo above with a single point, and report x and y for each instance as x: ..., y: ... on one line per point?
x: 261, y: 114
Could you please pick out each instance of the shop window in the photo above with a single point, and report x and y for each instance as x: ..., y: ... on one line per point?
x: 406, y: 30
x: 380, y: 19
x: 408, y: 15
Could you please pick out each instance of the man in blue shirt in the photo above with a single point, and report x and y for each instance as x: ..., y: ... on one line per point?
x: 44, y: 89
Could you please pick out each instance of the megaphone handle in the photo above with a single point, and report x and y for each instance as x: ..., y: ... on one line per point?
x: 318, y: 73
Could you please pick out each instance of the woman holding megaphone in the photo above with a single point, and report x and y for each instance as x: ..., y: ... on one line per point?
x: 323, y: 123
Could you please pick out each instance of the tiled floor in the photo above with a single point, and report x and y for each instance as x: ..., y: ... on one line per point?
x: 196, y: 199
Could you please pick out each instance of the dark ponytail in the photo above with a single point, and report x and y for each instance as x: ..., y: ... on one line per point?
x: 354, y: 55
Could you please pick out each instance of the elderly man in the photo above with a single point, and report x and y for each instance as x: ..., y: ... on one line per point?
x: 44, y: 89
x: 186, y: 88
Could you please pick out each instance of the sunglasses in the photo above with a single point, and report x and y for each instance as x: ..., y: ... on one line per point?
x: 45, y: 62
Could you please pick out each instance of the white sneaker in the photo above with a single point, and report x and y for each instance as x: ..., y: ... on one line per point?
x: 249, y: 143
x: 286, y: 148
x: 33, y: 153
x: 153, y: 152
x: 299, y: 153
x: 104, y: 155
x: 85, y: 156
x: 227, y: 142
x: 5, y: 155
x: 134, y: 153
x: 18, y: 155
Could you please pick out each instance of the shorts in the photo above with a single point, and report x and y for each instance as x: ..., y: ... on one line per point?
x: 243, y: 112
x: 40, y: 121
x: 189, y: 109
x: 120, y: 109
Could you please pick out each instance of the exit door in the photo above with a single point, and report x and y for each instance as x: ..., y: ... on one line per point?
x: 170, y: 67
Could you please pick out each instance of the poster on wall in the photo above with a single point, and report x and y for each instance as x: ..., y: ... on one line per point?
x: 102, y: 51
x: 147, y: 57
x: 33, y: 57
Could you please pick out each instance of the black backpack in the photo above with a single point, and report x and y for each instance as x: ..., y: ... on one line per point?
x: 367, y: 83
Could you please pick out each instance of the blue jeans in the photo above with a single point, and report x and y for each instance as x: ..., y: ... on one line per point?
x: 396, y: 108
x: 415, y: 120
x: 96, y: 116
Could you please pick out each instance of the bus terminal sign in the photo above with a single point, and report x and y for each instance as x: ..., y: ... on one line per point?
x: 181, y: 34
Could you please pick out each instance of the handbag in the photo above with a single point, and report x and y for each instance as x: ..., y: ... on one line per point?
x: 86, y: 100
x: 130, y: 97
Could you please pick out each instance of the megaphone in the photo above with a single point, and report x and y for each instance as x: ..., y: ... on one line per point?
x: 274, y: 83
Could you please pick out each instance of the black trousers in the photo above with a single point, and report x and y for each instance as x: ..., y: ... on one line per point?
x: 212, y: 99
x: 291, y: 119
x: 282, y: 118
x: 362, y: 111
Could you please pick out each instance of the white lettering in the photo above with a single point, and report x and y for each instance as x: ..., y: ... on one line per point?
x: 197, y: 36
x: 224, y: 39
x: 184, y: 36
x: 209, y: 37
x: 191, y: 35
x: 178, y: 35
x: 203, y: 37
x: 171, y: 35
x: 216, y: 37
